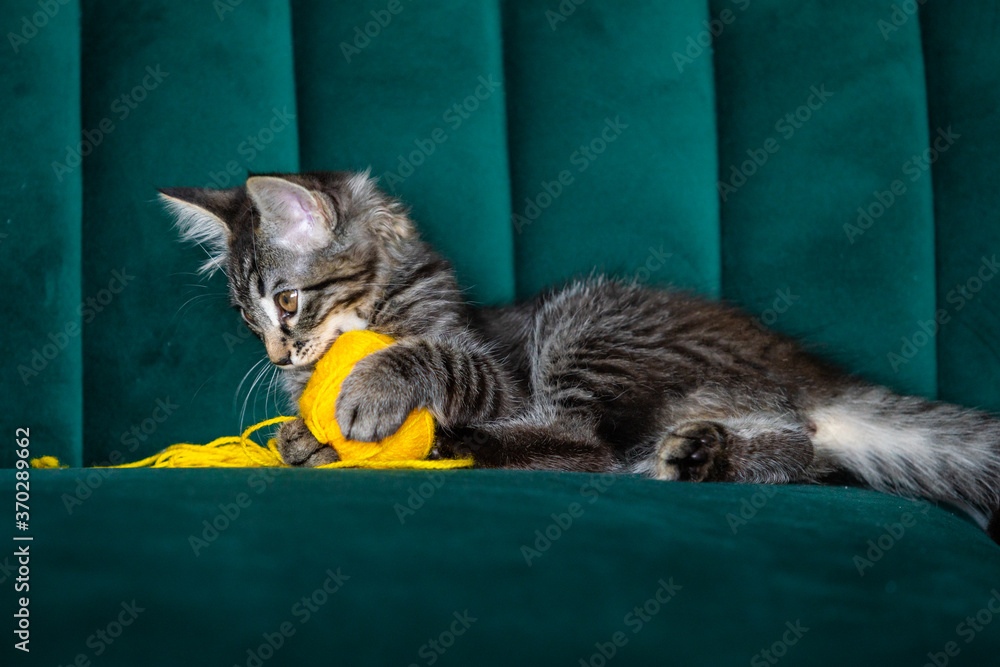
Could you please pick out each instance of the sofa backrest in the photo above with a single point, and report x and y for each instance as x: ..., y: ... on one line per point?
x: 827, y: 166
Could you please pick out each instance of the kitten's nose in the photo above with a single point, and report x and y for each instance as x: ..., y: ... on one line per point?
x: 278, y: 351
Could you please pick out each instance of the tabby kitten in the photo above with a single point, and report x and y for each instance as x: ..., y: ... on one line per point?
x: 602, y: 375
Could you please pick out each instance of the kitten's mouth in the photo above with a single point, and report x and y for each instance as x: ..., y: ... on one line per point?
x: 297, y: 364
x: 290, y: 361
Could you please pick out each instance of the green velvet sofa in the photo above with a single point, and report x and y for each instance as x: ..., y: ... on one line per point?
x: 829, y: 166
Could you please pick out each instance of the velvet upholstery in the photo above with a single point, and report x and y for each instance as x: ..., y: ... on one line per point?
x: 827, y: 166
x: 40, y: 227
x: 551, y: 566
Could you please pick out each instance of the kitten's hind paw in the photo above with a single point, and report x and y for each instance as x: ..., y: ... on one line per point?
x: 299, y: 447
x: 692, y: 452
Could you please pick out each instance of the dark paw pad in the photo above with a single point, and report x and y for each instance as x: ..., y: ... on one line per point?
x: 691, y: 453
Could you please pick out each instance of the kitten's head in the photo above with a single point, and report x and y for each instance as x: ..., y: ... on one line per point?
x: 304, y: 253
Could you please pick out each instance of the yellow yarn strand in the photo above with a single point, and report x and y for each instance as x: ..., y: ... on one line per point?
x: 408, y: 448
x: 240, y: 451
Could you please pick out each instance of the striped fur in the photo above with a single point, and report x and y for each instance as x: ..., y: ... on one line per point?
x: 601, y: 375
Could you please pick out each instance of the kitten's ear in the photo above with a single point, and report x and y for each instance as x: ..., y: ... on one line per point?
x: 387, y: 216
x: 201, y: 218
x: 291, y: 215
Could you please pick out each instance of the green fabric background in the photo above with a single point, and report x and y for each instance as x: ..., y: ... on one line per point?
x: 966, y: 198
x: 784, y: 229
x: 647, y: 206
x: 462, y: 550
x: 40, y: 227
x: 648, y: 190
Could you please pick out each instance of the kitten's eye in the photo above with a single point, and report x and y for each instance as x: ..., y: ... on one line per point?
x: 288, y: 301
x: 246, y: 318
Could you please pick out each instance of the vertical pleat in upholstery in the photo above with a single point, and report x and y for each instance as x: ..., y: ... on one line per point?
x: 827, y: 227
x: 963, y: 87
x: 415, y: 91
x: 40, y: 229
x: 612, y: 141
x: 174, y: 94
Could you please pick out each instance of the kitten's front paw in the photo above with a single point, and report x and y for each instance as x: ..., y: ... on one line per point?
x: 299, y: 447
x: 693, y: 452
x: 374, y: 401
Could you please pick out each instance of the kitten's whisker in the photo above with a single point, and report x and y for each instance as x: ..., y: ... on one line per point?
x: 249, y: 398
x: 240, y: 386
x: 192, y: 300
x: 270, y: 388
x: 267, y: 393
x: 277, y: 390
x: 265, y: 387
x: 249, y: 394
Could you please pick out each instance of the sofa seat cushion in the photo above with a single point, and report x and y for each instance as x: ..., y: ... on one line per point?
x: 495, y: 568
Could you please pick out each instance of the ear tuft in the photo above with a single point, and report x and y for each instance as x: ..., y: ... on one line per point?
x: 198, y: 218
x: 361, y: 185
x: 385, y: 215
x: 291, y: 215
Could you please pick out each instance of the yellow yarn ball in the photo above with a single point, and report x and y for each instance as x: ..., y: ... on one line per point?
x: 318, y: 403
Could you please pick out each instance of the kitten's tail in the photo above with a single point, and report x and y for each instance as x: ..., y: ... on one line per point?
x: 912, y: 447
